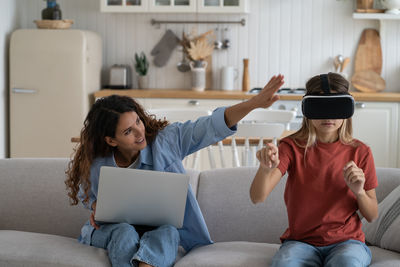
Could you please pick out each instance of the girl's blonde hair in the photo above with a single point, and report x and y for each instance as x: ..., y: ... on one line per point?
x: 306, y: 136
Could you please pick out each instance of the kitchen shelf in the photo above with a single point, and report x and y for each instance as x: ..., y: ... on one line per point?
x: 381, y: 17
x: 378, y: 16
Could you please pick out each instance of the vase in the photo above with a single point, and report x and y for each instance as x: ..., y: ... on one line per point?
x: 392, y: 6
x: 198, y: 69
x: 143, y: 81
x: 365, y: 4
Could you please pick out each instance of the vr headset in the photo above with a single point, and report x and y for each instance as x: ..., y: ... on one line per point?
x: 327, y: 105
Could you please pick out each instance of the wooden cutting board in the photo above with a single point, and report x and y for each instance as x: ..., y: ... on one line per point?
x: 369, y: 52
x: 368, y: 81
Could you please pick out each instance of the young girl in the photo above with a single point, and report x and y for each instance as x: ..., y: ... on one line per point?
x: 330, y: 176
x: 118, y: 132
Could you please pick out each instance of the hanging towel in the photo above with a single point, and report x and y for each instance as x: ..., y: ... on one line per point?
x: 163, y: 49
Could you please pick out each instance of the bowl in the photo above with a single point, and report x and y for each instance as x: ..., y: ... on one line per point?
x: 54, y: 24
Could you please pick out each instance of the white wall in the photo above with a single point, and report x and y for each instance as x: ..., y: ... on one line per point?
x: 7, y: 25
x: 296, y: 38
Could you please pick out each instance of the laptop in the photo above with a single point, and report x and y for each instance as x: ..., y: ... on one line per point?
x: 141, y: 197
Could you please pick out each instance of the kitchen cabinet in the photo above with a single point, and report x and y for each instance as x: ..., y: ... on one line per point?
x: 123, y: 5
x: 176, y: 6
x: 223, y: 6
x: 375, y: 121
x: 376, y: 124
x: 203, y: 104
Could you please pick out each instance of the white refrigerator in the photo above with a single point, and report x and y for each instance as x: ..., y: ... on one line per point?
x: 53, y: 74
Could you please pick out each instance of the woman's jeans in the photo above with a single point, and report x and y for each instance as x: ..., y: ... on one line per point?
x: 347, y: 253
x: 125, y: 248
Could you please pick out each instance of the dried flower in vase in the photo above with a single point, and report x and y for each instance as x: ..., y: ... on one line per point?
x: 198, y: 47
x: 200, y: 50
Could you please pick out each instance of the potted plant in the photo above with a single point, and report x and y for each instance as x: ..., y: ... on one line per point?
x: 142, y: 67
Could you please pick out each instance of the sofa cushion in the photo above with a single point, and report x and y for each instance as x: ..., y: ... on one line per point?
x: 384, y: 258
x: 193, y: 179
x: 230, y: 215
x: 230, y: 254
x: 32, y: 249
x: 384, y: 231
x: 34, y: 198
x: 388, y: 180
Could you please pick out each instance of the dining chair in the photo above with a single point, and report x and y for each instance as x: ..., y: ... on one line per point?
x: 183, y: 115
x: 258, y: 124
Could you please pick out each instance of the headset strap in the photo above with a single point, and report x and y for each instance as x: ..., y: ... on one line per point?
x: 325, y: 83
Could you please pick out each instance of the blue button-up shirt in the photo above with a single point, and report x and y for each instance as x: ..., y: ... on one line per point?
x: 166, y: 153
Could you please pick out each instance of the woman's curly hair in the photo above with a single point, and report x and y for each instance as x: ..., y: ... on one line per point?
x: 100, y: 122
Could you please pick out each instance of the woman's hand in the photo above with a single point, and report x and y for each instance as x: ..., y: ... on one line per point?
x: 92, y: 221
x: 354, y: 178
x: 267, y: 96
x: 264, y: 99
x: 268, y: 156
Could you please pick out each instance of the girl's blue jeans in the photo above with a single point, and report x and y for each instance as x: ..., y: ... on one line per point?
x: 125, y: 248
x: 348, y: 253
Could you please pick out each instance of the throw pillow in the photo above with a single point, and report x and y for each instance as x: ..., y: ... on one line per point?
x: 384, y: 231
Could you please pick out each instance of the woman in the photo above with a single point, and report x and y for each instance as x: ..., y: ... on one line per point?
x: 118, y: 132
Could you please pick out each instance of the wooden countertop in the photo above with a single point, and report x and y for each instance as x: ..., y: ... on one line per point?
x: 216, y: 94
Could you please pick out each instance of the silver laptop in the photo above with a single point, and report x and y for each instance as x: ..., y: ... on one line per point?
x: 141, y: 197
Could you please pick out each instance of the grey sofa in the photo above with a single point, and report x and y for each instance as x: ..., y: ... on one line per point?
x: 38, y: 227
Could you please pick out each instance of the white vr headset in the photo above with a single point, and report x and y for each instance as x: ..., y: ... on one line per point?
x: 327, y: 105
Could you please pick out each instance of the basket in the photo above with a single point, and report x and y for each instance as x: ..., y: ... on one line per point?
x: 54, y: 24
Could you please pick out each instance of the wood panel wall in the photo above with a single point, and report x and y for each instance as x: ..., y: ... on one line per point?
x: 296, y: 38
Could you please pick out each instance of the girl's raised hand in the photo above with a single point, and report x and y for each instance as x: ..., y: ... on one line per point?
x: 267, y: 95
x: 354, y: 178
x: 268, y: 156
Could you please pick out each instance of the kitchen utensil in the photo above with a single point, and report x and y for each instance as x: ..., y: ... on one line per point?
x: 365, y: 4
x: 246, y: 78
x: 217, y: 42
x: 393, y: 6
x: 368, y: 81
x: 209, y: 73
x: 120, y: 77
x: 338, y: 61
x: 369, y: 52
x: 228, y: 77
x: 54, y: 24
x: 183, y: 66
x: 346, y: 62
x: 226, y: 42
x: 164, y: 48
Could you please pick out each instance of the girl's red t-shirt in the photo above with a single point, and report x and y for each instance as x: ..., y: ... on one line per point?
x: 321, y: 207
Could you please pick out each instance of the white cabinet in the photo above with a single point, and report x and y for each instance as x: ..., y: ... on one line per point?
x: 223, y: 6
x: 176, y: 6
x: 204, y: 104
x: 376, y: 124
x: 123, y: 5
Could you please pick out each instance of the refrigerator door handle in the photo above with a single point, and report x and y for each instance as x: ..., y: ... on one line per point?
x: 24, y: 91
